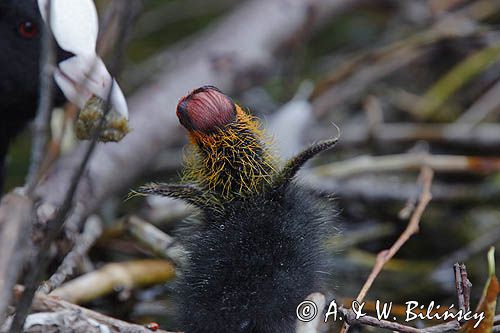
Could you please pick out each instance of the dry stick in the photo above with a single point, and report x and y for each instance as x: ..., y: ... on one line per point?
x: 485, y: 136
x: 383, y: 257
x: 41, y: 259
x: 452, y: 326
x: 92, y: 231
x: 462, y: 286
x: 44, y: 303
x: 159, y: 242
x: 467, y: 285
x: 377, y: 189
x: 107, y: 279
x: 350, y: 318
x: 404, y: 162
x: 44, y: 110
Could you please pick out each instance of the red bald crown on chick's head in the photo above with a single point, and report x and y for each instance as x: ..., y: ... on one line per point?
x: 206, y: 110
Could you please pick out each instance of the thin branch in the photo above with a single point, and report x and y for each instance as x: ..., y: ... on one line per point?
x: 44, y: 111
x: 91, y: 232
x: 463, y: 287
x: 483, y: 136
x: 350, y: 319
x: 383, y: 257
x: 158, y: 241
x: 404, y: 162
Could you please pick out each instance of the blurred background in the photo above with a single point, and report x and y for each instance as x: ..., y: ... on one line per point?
x: 406, y: 83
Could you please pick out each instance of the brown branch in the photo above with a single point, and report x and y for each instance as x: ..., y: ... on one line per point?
x: 383, y: 257
x: 350, y: 319
x: 462, y: 286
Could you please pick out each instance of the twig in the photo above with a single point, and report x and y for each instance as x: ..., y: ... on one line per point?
x: 44, y: 111
x: 383, y: 257
x: 376, y: 189
x: 93, y: 229
x: 463, y: 287
x: 483, y: 136
x: 404, y: 162
x: 350, y: 319
x: 128, y: 275
x: 44, y: 303
x: 158, y: 241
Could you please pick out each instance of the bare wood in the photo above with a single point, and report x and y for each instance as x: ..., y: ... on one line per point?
x: 378, y: 189
x: 92, y: 230
x: 405, y: 162
x: 16, y: 212
x: 350, y: 318
x: 162, y: 244
x: 108, y: 278
x: 44, y: 303
x: 486, y: 136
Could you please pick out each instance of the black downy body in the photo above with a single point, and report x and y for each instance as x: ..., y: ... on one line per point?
x: 257, y: 250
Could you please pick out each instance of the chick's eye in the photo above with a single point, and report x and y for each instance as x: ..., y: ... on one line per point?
x: 28, y: 29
